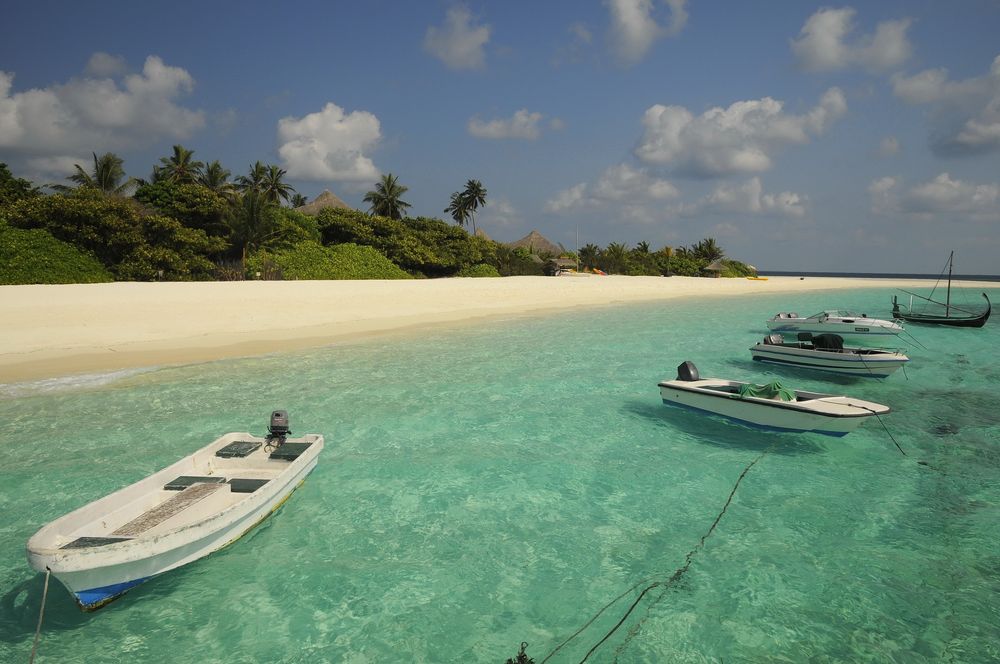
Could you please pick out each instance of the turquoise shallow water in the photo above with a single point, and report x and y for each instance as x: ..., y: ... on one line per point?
x: 500, y: 483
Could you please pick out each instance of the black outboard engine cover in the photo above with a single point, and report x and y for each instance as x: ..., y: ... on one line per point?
x: 687, y: 371
x: 279, y: 427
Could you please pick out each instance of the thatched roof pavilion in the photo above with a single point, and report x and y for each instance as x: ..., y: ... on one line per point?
x: 536, y: 243
x: 715, y: 268
x: 325, y: 200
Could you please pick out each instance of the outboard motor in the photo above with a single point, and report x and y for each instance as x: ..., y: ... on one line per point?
x: 687, y: 371
x: 278, y: 429
x: 774, y: 340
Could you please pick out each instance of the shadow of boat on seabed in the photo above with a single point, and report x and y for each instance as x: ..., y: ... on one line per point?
x: 716, y: 431
x: 20, y: 607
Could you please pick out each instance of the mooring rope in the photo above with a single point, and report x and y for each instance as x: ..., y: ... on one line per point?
x: 666, y: 585
x: 41, y: 615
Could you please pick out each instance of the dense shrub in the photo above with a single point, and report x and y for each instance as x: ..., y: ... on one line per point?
x: 193, y: 205
x: 311, y: 260
x: 424, y: 246
x: 481, y: 270
x: 35, y: 257
x: 737, y: 269
x: 130, y: 244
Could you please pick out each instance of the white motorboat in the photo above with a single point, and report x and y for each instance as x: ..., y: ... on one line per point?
x: 827, y: 352
x: 175, y: 516
x: 844, y: 323
x: 771, y: 407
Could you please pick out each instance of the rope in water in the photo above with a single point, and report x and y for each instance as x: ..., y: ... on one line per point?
x: 41, y: 615
x: 674, y: 578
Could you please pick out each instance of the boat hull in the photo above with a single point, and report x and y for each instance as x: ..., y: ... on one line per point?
x: 848, y: 330
x: 96, y: 575
x: 845, y: 362
x: 976, y: 320
x: 830, y: 415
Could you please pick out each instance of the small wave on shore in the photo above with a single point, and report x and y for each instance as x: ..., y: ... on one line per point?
x: 68, y: 383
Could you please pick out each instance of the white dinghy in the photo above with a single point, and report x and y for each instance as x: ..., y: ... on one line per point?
x: 827, y: 352
x: 771, y: 407
x: 175, y: 516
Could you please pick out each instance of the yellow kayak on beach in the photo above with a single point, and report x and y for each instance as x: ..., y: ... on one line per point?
x: 757, y: 278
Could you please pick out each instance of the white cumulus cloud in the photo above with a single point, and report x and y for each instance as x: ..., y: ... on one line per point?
x: 523, y: 124
x: 824, y: 43
x: 500, y: 213
x: 65, y: 121
x: 458, y: 43
x: 634, y: 29
x: 965, y: 118
x: 104, y: 65
x: 568, y: 199
x: 750, y: 198
x: 329, y: 145
x: 618, y: 184
x: 942, y: 196
x: 738, y: 139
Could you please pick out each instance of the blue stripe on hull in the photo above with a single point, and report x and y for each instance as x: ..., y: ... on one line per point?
x: 753, y: 425
x: 95, y: 598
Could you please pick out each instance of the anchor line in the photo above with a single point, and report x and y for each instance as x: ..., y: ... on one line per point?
x: 666, y: 585
x: 41, y: 615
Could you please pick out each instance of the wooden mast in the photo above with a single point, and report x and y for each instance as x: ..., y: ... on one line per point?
x: 947, y: 301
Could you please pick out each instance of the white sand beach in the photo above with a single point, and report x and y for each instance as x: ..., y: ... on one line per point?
x: 61, y: 330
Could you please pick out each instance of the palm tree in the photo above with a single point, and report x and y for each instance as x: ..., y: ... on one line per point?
x: 275, y: 188
x: 642, y: 247
x: 106, y: 177
x: 589, y: 254
x: 708, y: 250
x: 254, y: 180
x: 385, y: 199
x: 616, y: 258
x: 180, y: 167
x: 459, y: 209
x: 216, y: 178
x: 298, y: 200
x: 474, y: 196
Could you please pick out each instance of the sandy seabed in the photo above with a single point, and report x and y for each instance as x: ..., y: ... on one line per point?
x: 60, y: 330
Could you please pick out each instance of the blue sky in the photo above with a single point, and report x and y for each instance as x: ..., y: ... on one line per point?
x: 802, y: 136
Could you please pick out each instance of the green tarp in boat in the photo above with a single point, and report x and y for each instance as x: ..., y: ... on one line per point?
x: 772, y: 390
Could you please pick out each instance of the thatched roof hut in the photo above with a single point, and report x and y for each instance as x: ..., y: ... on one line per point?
x: 715, y: 268
x: 325, y: 200
x: 536, y: 243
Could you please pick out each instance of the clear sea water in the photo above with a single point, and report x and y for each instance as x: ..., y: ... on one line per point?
x: 502, y: 482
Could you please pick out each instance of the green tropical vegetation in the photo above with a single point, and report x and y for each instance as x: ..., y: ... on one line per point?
x: 386, y: 199
x: 311, y: 260
x: 193, y: 220
x: 35, y: 257
x: 463, y: 204
x: 107, y: 176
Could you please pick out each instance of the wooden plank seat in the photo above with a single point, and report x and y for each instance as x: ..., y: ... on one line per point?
x: 163, y: 511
